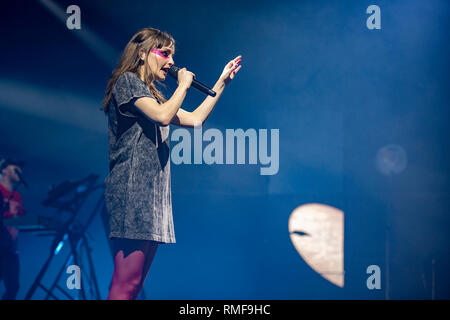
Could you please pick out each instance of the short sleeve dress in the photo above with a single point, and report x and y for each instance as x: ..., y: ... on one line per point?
x: 137, y: 188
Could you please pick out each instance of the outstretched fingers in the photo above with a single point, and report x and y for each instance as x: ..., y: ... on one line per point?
x: 235, y: 62
x: 231, y: 68
x: 233, y: 73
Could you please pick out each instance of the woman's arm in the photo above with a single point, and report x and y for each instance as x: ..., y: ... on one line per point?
x: 197, y: 117
x: 163, y: 114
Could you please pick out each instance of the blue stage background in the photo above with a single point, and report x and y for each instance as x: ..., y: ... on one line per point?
x: 337, y: 91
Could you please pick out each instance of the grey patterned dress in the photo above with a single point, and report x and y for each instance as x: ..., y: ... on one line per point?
x: 138, y: 188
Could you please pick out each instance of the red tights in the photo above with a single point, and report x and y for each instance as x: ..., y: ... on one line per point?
x: 132, y: 260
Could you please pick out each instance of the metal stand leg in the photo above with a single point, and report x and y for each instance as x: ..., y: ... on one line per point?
x: 77, y: 241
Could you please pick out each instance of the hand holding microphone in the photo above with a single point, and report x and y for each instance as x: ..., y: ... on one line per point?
x: 187, y: 77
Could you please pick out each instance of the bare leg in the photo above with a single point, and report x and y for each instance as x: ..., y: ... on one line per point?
x: 131, y: 262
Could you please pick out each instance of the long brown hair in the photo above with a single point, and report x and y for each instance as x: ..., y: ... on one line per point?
x: 144, y: 40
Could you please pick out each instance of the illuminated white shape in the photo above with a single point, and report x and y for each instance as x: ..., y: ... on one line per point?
x: 320, y: 239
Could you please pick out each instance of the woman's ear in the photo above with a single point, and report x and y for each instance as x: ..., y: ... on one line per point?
x: 142, y: 55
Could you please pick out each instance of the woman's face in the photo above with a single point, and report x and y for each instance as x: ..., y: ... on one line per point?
x: 160, y: 61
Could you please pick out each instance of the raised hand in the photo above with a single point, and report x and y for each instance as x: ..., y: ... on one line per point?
x: 230, y: 70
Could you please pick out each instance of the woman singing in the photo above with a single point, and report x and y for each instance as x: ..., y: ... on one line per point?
x: 138, y: 188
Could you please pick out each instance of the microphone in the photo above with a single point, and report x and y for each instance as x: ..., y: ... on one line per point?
x: 173, y: 71
x: 21, y: 178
